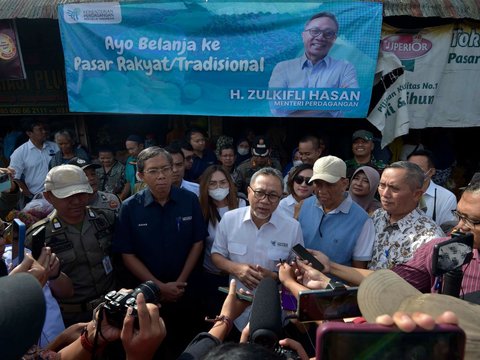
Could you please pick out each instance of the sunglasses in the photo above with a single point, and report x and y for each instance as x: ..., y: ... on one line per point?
x: 301, y: 179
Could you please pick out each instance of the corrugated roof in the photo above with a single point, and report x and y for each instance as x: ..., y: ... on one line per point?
x: 457, y: 9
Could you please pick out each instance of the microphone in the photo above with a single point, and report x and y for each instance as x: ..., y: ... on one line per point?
x: 266, y: 315
x: 22, y: 314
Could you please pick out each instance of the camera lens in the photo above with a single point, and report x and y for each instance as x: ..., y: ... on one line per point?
x: 150, y: 290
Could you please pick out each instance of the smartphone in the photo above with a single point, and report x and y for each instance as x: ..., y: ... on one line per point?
x: 18, y: 240
x: 240, y: 296
x: 303, y: 254
x: 38, y: 242
x: 4, y: 182
x: 336, y: 340
x: 328, y: 304
x: 452, y: 254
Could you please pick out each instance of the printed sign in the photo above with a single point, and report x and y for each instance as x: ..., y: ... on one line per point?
x: 440, y: 82
x: 215, y: 58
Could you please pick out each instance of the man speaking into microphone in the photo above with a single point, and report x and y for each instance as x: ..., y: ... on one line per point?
x: 250, y: 241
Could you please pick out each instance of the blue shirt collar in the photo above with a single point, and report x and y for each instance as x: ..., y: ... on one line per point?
x: 148, y: 198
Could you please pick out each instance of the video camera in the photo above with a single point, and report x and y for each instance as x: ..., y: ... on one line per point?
x: 448, y: 258
x: 117, y: 303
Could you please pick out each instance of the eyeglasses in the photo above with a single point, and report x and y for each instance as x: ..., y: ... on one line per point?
x: 470, y: 223
x: 215, y: 184
x: 260, y: 195
x: 327, y: 34
x: 155, y: 172
x: 302, y: 179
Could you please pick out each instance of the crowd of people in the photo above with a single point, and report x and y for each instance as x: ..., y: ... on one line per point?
x: 193, y: 218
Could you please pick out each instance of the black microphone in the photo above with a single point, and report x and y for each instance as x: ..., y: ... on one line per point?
x: 22, y: 314
x: 266, y: 315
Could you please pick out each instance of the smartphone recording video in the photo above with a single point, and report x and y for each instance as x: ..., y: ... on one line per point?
x: 333, y: 304
x: 337, y: 340
x: 303, y: 254
x: 38, y: 242
x: 18, y: 240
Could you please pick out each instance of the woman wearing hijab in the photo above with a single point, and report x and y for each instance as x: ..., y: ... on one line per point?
x: 363, y: 188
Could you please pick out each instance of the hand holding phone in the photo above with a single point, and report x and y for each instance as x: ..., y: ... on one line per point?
x: 303, y: 254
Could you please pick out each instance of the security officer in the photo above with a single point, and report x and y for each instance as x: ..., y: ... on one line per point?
x: 98, y: 199
x: 81, y: 237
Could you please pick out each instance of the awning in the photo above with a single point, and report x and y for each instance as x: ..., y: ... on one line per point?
x: 456, y: 9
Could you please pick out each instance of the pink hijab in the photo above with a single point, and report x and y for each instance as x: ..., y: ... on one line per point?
x: 368, y: 202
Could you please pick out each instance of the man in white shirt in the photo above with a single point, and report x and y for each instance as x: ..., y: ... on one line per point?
x: 437, y: 202
x: 30, y: 160
x: 252, y: 240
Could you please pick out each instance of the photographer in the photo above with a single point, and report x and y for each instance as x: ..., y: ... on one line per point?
x: 139, y: 343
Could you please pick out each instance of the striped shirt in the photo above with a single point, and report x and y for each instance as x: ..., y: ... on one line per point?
x: 418, y: 270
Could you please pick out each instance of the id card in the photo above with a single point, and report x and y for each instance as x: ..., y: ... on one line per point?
x: 107, y: 265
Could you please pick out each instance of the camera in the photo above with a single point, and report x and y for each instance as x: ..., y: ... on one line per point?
x: 287, y: 354
x: 117, y: 303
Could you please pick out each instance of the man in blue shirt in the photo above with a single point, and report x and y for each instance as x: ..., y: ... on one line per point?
x: 314, y: 69
x: 160, y: 233
x: 331, y: 222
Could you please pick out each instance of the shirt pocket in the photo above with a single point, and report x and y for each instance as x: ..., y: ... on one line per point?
x: 237, y: 248
x: 277, y: 254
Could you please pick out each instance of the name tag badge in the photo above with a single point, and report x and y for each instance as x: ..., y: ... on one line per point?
x: 107, y: 265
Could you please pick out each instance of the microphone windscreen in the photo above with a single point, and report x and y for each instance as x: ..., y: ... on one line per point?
x: 266, y: 315
x: 22, y: 314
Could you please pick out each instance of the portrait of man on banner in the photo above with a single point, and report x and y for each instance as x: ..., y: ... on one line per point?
x: 315, y: 68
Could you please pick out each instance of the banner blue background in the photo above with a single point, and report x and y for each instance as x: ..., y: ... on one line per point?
x: 244, y: 30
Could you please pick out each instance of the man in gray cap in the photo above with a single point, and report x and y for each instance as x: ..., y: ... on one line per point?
x: 362, y: 149
x: 332, y: 221
x: 99, y: 199
x: 81, y: 238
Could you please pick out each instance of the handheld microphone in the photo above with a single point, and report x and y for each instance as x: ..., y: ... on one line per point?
x: 22, y: 314
x: 266, y: 315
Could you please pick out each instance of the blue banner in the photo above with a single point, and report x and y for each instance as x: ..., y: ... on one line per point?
x: 238, y: 58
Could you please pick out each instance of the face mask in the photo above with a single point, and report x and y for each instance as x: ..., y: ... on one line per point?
x: 219, y: 193
x: 297, y: 163
x: 242, y: 151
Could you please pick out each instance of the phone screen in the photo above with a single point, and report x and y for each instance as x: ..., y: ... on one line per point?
x: 328, y: 304
x: 382, y: 343
x: 38, y: 242
x: 303, y: 254
x: 18, y: 240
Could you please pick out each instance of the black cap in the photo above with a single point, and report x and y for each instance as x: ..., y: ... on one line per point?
x: 84, y: 164
x: 261, y: 146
